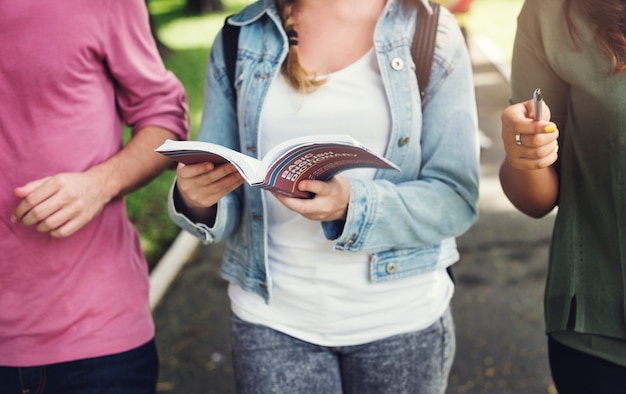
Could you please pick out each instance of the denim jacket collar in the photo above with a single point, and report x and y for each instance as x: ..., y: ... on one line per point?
x: 261, y: 7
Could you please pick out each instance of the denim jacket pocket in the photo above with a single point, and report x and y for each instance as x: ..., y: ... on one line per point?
x: 396, y: 264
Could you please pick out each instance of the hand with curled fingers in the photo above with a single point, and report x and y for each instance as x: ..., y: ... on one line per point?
x: 61, y: 204
x: 330, y: 202
x: 529, y: 144
x: 526, y: 175
x: 201, y: 185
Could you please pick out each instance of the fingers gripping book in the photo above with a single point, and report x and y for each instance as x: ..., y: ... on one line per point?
x: 316, y: 157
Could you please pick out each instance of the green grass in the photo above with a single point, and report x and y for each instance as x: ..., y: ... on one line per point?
x: 190, y: 39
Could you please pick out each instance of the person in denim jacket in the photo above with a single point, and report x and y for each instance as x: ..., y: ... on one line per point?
x: 347, y: 291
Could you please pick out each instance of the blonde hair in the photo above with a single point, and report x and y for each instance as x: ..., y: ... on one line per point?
x: 296, y: 75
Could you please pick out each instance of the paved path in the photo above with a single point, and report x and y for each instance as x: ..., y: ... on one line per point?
x: 497, y: 305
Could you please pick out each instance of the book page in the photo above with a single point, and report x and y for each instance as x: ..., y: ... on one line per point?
x: 190, y: 152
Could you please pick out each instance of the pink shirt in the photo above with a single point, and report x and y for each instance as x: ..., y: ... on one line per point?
x: 71, y: 72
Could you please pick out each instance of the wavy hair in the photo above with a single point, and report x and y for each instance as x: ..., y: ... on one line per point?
x: 608, y: 18
x: 296, y: 75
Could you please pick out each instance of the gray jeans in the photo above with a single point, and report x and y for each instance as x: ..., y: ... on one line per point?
x: 267, y: 361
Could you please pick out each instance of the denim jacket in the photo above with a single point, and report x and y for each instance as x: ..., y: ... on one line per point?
x: 405, y: 220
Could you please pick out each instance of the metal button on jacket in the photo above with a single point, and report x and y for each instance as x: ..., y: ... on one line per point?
x: 391, y: 268
x: 397, y: 63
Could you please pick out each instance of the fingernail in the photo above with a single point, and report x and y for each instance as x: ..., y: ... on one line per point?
x: 556, y: 149
x: 551, y: 128
x: 13, y: 218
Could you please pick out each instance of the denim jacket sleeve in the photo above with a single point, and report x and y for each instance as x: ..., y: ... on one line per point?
x: 218, y: 106
x: 227, y: 207
x: 435, y: 195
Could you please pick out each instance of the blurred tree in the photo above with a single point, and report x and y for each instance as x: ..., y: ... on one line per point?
x: 163, y: 49
x: 204, y: 6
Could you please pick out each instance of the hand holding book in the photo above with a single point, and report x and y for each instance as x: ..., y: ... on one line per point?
x: 283, y: 167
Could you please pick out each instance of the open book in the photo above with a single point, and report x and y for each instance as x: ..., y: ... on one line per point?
x: 284, y: 166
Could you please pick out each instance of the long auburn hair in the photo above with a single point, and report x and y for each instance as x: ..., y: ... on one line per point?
x: 609, y: 21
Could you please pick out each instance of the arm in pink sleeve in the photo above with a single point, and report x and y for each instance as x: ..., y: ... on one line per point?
x: 147, y: 94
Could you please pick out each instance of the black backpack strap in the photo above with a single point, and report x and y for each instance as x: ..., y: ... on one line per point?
x: 230, y: 43
x: 423, y: 46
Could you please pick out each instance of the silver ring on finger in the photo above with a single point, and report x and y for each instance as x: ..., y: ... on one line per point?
x: 518, y: 138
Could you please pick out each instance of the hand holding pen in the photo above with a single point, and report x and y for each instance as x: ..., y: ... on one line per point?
x: 537, y: 112
x: 530, y: 140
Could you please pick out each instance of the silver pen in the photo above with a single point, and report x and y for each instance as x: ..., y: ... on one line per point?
x: 538, y: 103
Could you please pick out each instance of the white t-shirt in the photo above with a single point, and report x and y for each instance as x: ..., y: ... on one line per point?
x: 320, y: 295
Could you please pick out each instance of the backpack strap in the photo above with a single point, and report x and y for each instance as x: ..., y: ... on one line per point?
x: 230, y: 43
x: 423, y: 52
x: 423, y: 46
